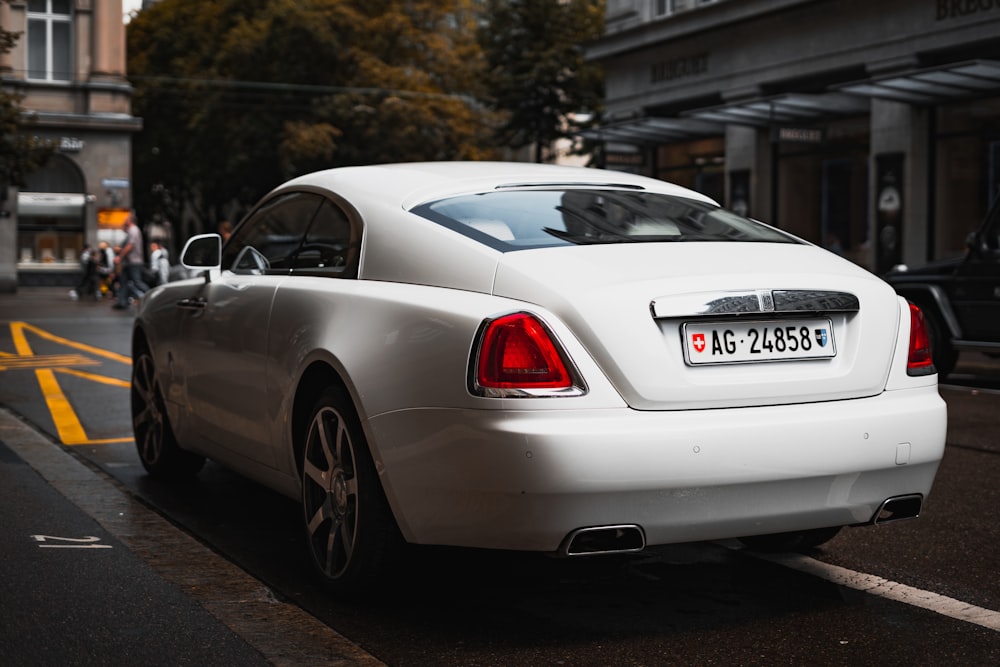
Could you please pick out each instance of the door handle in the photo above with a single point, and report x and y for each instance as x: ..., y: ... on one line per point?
x: 197, y: 303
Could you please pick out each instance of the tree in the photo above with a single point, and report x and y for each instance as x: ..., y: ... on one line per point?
x: 537, y: 73
x: 20, y: 152
x: 237, y: 96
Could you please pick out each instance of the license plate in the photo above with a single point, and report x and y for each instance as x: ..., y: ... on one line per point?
x: 741, y: 342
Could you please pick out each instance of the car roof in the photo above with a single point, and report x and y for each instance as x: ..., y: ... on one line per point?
x: 410, y: 184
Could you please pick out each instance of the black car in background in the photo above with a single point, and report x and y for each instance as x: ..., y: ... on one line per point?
x: 960, y: 297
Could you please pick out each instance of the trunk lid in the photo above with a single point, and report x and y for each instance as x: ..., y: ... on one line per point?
x: 639, y: 308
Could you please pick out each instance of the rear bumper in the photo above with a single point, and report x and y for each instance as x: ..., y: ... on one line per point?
x: 525, y: 479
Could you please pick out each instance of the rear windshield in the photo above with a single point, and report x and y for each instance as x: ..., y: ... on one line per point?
x: 538, y: 218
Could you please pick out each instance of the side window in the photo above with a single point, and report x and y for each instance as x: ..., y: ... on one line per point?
x: 266, y: 243
x: 329, y: 245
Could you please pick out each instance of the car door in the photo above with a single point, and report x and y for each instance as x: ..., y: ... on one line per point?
x: 227, y: 341
x: 977, y: 284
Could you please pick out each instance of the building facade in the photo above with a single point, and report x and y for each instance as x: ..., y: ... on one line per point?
x: 872, y: 128
x: 69, y: 66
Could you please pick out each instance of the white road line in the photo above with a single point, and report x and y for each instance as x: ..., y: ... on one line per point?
x: 946, y: 606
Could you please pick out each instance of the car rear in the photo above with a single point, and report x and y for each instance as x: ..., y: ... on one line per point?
x: 753, y: 384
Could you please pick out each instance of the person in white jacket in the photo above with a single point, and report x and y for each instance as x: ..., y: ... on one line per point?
x: 159, y: 263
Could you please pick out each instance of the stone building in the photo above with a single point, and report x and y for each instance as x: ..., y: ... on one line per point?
x: 69, y: 66
x: 870, y: 127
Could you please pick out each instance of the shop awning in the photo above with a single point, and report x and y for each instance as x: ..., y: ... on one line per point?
x: 921, y: 87
x: 712, y: 121
x: 788, y: 108
x: 653, y: 130
x: 933, y: 85
x: 50, y: 204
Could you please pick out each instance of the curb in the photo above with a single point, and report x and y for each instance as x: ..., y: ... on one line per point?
x: 283, y: 633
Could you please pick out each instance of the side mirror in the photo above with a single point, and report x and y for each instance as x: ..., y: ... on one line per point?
x: 982, y: 246
x: 970, y: 242
x: 202, y: 253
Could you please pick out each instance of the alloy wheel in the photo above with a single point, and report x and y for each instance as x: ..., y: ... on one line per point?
x: 147, y: 410
x: 330, y: 492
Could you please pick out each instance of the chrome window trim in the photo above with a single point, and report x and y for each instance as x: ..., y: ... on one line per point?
x: 754, y: 302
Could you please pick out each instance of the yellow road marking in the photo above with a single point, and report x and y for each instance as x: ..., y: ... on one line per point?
x: 21, y: 362
x: 102, y: 379
x: 66, y: 421
x: 19, y: 327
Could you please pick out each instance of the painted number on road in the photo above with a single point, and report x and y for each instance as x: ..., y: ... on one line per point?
x: 52, y: 542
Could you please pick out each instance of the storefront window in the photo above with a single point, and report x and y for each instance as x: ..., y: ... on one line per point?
x: 49, y: 248
x: 822, y: 190
x: 698, y: 165
x: 50, y: 229
x: 51, y: 212
x: 967, y: 171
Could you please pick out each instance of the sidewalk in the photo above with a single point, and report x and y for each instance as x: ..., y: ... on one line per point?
x: 93, y: 577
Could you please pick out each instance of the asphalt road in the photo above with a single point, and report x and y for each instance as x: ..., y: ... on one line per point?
x: 921, y: 592
x: 72, y: 593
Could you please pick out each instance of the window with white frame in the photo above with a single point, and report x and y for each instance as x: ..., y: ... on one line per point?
x: 662, y: 8
x: 49, y: 40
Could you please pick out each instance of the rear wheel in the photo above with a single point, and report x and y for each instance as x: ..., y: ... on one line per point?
x: 154, y: 438
x: 801, y: 540
x: 351, y: 534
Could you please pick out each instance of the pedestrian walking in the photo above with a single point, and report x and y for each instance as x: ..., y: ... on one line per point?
x: 88, y: 285
x: 159, y: 264
x: 130, y: 261
x: 106, y: 269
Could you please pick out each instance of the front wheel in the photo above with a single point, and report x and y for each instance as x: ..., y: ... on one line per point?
x: 154, y: 438
x: 350, y: 531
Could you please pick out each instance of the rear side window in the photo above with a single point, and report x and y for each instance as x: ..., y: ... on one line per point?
x: 298, y: 232
x: 538, y: 218
x: 329, y: 245
x: 268, y: 240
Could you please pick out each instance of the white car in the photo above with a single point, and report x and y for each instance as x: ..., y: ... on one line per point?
x: 531, y: 357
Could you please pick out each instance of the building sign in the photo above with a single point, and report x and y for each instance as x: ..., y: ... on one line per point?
x: 70, y: 145
x: 680, y: 68
x: 114, y: 183
x: 50, y: 204
x: 953, y: 9
x: 625, y: 159
x: 802, y: 135
x: 112, y: 218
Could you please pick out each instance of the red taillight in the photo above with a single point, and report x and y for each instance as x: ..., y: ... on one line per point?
x: 517, y: 352
x: 919, y: 361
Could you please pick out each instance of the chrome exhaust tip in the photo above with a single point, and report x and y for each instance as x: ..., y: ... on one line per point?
x: 897, y: 508
x: 596, y: 540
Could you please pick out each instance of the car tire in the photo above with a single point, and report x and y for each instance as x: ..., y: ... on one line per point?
x: 352, y: 537
x: 942, y: 353
x: 154, y: 438
x: 801, y: 540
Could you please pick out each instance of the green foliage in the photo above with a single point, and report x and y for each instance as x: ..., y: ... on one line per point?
x: 537, y: 74
x: 20, y: 152
x: 237, y: 96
